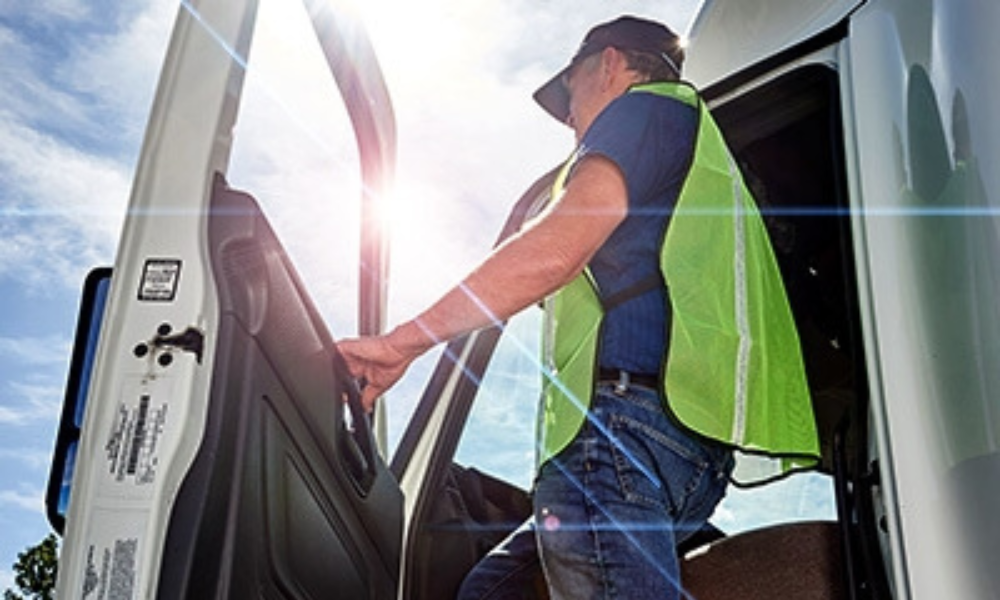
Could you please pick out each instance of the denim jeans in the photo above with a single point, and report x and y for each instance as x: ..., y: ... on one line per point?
x: 610, y: 509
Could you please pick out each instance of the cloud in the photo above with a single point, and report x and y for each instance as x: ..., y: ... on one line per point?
x: 117, y: 72
x: 78, y: 88
x: 27, y: 403
x: 62, y: 208
x: 73, y: 70
x: 36, y: 460
x: 49, y: 350
x: 26, y: 498
x: 26, y: 92
x: 47, y: 13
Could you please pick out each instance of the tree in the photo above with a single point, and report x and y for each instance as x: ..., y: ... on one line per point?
x: 35, y: 571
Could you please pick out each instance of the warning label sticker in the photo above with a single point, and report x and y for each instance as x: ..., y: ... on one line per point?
x: 160, y: 277
x: 131, y: 448
x: 112, y: 568
x: 111, y: 574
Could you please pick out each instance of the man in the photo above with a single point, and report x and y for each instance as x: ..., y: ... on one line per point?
x: 653, y: 367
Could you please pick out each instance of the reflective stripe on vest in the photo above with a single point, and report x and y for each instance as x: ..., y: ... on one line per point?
x: 734, y: 370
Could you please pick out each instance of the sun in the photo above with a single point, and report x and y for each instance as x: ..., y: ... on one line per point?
x: 427, y: 243
x: 407, y: 213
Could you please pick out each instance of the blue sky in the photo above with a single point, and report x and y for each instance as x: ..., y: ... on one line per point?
x: 76, y: 83
x: 76, y: 79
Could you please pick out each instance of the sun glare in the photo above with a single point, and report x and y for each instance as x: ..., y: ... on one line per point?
x: 417, y: 41
x: 427, y: 256
x: 402, y: 25
x: 406, y: 214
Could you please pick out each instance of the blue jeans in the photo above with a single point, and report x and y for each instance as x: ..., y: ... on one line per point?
x: 610, y: 509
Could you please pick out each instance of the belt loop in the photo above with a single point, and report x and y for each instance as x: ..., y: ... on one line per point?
x: 621, y: 386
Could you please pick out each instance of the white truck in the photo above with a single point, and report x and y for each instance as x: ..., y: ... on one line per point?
x: 206, y: 447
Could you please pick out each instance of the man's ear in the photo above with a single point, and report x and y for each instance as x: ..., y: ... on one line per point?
x: 611, y: 61
x: 610, y: 57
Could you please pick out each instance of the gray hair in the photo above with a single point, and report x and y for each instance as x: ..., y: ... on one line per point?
x: 656, y: 67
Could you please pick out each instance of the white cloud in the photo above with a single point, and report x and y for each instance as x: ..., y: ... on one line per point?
x: 6, y: 579
x: 36, y: 351
x: 118, y: 71
x: 75, y: 104
x: 62, y: 208
x: 45, y: 12
x: 500, y: 433
x: 86, y: 76
x: 25, y: 498
x: 32, y: 458
x: 26, y: 93
x: 27, y: 403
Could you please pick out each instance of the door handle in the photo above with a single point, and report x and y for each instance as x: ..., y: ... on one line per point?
x: 356, y: 440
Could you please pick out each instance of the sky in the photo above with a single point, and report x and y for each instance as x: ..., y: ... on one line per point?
x: 77, y: 78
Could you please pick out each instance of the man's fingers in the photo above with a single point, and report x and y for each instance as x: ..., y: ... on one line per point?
x: 375, y: 366
x: 368, y: 397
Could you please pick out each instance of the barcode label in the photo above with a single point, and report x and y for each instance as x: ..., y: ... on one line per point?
x: 131, y: 446
x: 138, y: 435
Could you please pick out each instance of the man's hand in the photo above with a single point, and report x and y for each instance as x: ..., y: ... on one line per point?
x: 379, y: 362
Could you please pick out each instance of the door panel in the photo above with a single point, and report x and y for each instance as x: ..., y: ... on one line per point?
x: 287, y: 496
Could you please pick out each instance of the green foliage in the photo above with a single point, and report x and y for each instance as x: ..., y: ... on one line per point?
x: 35, y: 571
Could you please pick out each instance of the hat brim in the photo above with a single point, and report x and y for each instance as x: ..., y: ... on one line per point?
x: 554, y: 97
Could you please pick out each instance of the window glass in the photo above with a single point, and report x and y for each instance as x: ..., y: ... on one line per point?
x: 499, y: 440
x: 294, y: 150
x: 500, y: 434
x: 499, y: 437
x: 801, y: 497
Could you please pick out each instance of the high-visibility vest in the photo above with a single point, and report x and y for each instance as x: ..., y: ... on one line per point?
x: 733, y: 371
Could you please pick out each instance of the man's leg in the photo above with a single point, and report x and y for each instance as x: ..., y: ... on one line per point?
x: 610, y: 509
x: 510, y: 571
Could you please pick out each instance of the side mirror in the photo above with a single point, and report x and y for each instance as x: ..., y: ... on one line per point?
x: 88, y: 329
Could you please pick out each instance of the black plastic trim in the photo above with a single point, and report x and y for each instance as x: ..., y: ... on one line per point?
x: 79, y: 373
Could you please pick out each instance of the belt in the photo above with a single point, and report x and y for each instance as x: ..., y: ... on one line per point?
x: 623, y: 379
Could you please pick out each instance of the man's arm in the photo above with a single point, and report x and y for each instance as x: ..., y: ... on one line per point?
x: 526, y: 268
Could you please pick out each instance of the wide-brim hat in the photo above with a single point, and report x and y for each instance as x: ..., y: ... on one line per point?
x: 624, y: 33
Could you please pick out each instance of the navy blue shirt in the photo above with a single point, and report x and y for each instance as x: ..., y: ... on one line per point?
x: 651, y: 139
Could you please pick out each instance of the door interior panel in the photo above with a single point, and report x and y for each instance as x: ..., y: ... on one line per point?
x: 287, y: 497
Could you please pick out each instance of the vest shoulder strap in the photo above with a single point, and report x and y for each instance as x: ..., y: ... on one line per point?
x: 646, y: 284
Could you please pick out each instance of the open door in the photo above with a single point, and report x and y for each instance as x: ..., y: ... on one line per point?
x: 287, y: 496
x: 220, y: 446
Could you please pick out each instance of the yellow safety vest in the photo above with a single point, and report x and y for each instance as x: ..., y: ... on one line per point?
x: 733, y: 371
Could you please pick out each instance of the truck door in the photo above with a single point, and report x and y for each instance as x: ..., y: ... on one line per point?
x: 222, y: 451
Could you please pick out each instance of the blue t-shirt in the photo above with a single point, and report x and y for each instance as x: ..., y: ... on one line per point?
x: 651, y: 139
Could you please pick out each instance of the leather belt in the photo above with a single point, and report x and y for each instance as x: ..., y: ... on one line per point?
x: 623, y: 379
